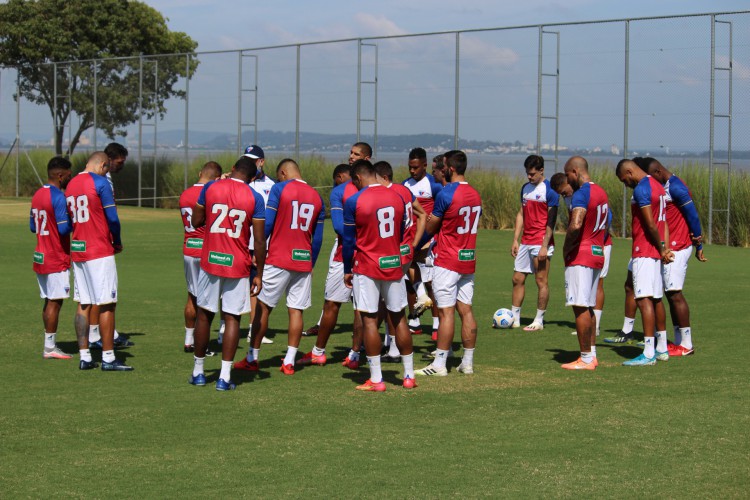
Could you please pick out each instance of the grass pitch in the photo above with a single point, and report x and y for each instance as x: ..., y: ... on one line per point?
x: 519, y: 427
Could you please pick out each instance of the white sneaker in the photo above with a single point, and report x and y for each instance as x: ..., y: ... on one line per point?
x: 535, y: 326
x: 431, y: 371
x: 466, y: 369
x: 266, y: 340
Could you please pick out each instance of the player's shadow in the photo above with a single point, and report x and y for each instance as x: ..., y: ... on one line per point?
x: 562, y: 356
x: 625, y: 351
x: 561, y: 323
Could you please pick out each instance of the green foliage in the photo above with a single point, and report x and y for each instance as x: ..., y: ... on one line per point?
x: 35, y: 34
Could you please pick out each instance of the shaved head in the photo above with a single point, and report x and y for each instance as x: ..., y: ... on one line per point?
x: 577, y: 172
x: 97, y: 163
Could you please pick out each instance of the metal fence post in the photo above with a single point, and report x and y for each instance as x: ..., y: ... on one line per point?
x: 455, y: 111
x: 711, y: 135
x: 187, y: 122
x: 539, y: 96
x: 18, y: 126
x: 140, y: 125
x: 625, y: 126
x: 296, y: 126
x: 96, y: 87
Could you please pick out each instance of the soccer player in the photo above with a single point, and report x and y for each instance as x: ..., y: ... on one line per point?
x: 583, y: 255
x: 536, y: 219
x: 95, y: 241
x: 192, y: 247
x: 374, y: 220
x: 294, y: 222
x: 49, y: 220
x: 684, y: 232
x: 227, y: 208
x: 454, y: 221
x: 648, y: 207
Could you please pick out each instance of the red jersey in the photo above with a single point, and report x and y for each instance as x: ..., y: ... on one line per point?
x: 535, y: 202
x: 339, y: 195
x: 192, y: 245
x: 374, y: 225
x: 589, y: 250
x: 49, y: 220
x: 410, y: 224
x: 460, y: 206
x: 294, y: 215
x: 230, y: 207
x: 91, y: 207
x: 425, y: 190
x: 648, y: 192
x: 678, y: 196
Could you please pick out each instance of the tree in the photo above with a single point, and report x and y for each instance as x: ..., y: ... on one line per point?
x: 63, y: 44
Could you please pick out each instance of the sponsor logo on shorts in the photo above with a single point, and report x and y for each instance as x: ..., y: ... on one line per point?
x: 303, y: 255
x: 38, y: 258
x: 405, y: 249
x: 220, y: 259
x: 466, y: 254
x: 77, y: 246
x: 194, y: 243
x: 389, y: 262
x: 597, y: 251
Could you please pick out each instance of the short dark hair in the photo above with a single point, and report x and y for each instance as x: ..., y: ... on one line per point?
x: 383, y: 169
x: 360, y: 167
x: 620, y: 163
x: 115, y: 150
x: 340, y: 169
x: 643, y: 162
x: 58, y: 163
x: 439, y: 160
x: 418, y: 154
x: 558, y: 180
x: 284, y: 162
x: 534, y: 161
x: 364, y: 147
x: 457, y: 160
x: 246, y: 166
x: 211, y: 168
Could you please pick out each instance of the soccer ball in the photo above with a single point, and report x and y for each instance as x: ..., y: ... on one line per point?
x: 503, y: 318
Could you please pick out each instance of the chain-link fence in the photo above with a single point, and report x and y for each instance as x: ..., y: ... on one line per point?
x: 677, y: 88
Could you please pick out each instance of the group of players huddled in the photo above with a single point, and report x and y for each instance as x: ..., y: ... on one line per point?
x: 248, y: 241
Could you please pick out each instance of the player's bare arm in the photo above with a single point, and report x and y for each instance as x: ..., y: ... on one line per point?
x: 652, y: 233
x: 517, y: 230
x: 548, y: 231
x: 433, y: 224
x: 421, y: 222
x: 573, y: 235
x: 199, y: 215
x: 259, y: 249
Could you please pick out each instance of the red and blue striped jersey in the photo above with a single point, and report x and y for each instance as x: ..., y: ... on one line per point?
x: 648, y: 192
x: 535, y: 201
x: 589, y: 250
x: 192, y: 244
x: 460, y: 207
x: 49, y: 220
x: 96, y: 227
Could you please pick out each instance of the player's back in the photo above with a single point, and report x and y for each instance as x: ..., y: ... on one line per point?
x: 648, y: 192
x: 87, y: 196
x: 460, y: 206
x: 410, y: 226
x: 230, y: 207
x: 590, y: 249
x: 676, y: 195
x: 298, y: 208
x: 193, y: 240
x: 52, y: 251
x: 378, y: 214
x: 536, y: 199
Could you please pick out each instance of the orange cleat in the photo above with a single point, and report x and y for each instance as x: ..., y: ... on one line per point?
x: 409, y: 383
x: 245, y: 365
x: 312, y: 359
x: 287, y: 369
x: 678, y: 350
x: 372, y: 386
x: 578, y: 364
x: 352, y: 364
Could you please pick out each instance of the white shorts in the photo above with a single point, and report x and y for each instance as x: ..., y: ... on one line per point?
x: 95, y: 281
x: 368, y: 292
x: 54, y: 286
x: 277, y: 281
x: 336, y: 290
x: 607, y: 256
x: 525, y: 258
x: 673, y: 274
x: 233, y: 292
x: 427, y: 272
x: 192, y: 271
x: 449, y: 286
x: 581, y: 283
x: 647, y: 280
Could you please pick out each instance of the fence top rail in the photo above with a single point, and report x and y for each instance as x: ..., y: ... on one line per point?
x: 387, y: 37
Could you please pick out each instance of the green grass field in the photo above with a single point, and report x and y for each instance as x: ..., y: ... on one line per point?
x: 519, y: 427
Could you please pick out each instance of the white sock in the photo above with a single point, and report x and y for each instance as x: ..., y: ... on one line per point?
x: 116, y: 334
x: 408, y: 360
x: 420, y: 289
x: 252, y: 355
x: 393, y: 348
x: 375, y: 374
x: 291, y: 353
x: 353, y: 355
x: 677, y: 335
x: 587, y: 357
x: 598, y: 317
x: 627, y: 325
x: 435, y: 323
x: 687, y: 337
x: 85, y: 355
x: 661, y: 341
x: 226, y: 370
x: 414, y: 323
x: 189, y: 336
x: 49, y: 340
x: 108, y: 356
x: 221, y: 327
x: 468, y: 359
x: 94, y: 333
x: 516, y: 314
x: 317, y: 351
x: 198, y: 366
x: 539, y: 316
x: 441, y: 357
x: 648, y: 348
x: 593, y: 351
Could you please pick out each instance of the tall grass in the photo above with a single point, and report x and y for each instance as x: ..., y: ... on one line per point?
x: 499, y: 190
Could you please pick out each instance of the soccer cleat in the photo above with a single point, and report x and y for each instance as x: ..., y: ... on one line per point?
x: 579, y: 364
x: 97, y: 344
x: 465, y: 369
x: 311, y: 359
x: 312, y: 331
x: 662, y: 356
x: 415, y: 331
x: 87, y: 365
x: 352, y: 364
x: 55, y: 353
x: 431, y: 371
x: 266, y: 340
x: 535, y: 326
x: 641, y: 344
x: 199, y: 380
x: 287, y: 369
x: 641, y: 360
x: 210, y: 353
x: 620, y: 338
x: 189, y: 348
x: 224, y: 385
x: 372, y: 386
x: 116, y: 366
x: 245, y: 365
x: 678, y: 350
x: 387, y: 358
x: 122, y: 341
x: 434, y: 335
x: 409, y: 383
x: 431, y: 355
x: 596, y: 362
x: 423, y: 304
x: 516, y: 324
